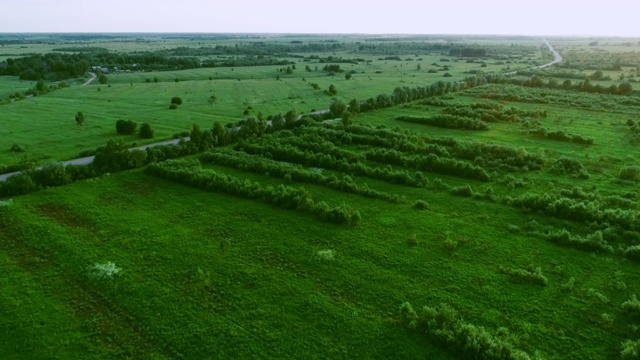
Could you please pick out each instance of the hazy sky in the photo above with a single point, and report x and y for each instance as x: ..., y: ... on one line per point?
x: 543, y: 17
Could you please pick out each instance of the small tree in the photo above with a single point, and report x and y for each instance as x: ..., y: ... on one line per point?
x: 332, y: 89
x: 146, y: 132
x: 625, y: 88
x: 354, y: 106
x: 290, y: 118
x: 346, y: 119
x: 176, y: 100
x: 80, y: 118
x: 337, y: 108
x: 102, y: 79
x: 347, y: 76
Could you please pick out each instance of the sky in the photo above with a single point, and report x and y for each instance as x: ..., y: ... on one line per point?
x: 526, y: 17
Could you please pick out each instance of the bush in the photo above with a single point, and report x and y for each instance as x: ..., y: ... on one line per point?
x: 173, y: 106
x: 51, y: 174
x: 421, y: 205
x: 569, y: 166
x: 630, y: 173
x: 16, y: 148
x: 445, y: 325
x: 146, y: 132
x: 525, y: 276
x: 176, y: 100
x: 126, y: 127
x: 631, y: 306
x: 630, y: 350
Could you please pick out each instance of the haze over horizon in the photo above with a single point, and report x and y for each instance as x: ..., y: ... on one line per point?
x: 491, y: 17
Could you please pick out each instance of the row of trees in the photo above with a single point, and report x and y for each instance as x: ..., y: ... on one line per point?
x: 291, y: 172
x: 447, y: 121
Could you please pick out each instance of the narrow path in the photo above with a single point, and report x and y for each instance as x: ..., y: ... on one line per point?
x: 93, y: 77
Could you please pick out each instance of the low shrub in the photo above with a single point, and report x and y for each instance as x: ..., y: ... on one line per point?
x: 421, y: 205
x: 631, y: 306
x: 630, y: 350
x: 520, y: 276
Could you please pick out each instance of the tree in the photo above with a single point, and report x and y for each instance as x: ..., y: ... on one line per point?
x: 290, y: 118
x: 346, y: 119
x: 337, y: 108
x: 176, y: 100
x: 219, y: 133
x: 347, y: 76
x: 354, y: 106
x: 618, y: 65
x: 625, y: 88
x: 42, y: 87
x: 146, y: 132
x: 80, y: 118
x: 332, y: 89
x: 418, y: 67
x: 102, y: 79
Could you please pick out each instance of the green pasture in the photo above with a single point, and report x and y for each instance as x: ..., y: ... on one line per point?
x: 45, y: 124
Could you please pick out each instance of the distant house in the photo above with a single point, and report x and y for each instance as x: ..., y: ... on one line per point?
x: 104, y: 70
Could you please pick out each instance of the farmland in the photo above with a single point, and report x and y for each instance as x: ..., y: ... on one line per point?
x: 422, y: 217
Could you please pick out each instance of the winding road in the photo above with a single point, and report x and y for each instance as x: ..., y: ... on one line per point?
x: 89, y: 160
x: 556, y: 59
x: 93, y: 77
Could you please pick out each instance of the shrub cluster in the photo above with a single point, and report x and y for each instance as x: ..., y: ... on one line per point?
x: 579, y: 210
x: 533, y: 276
x: 592, y: 242
x: 560, y: 135
x: 185, y: 172
x: 444, y: 325
x: 569, y: 166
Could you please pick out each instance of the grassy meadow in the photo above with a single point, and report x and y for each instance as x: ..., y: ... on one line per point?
x: 528, y: 226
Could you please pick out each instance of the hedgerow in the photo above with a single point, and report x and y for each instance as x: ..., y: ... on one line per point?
x: 286, y: 197
x: 291, y: 172
x: 447, y: 121
x: 444, y: 325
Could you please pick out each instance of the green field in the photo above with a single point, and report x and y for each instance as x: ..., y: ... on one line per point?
x: 528, y: 226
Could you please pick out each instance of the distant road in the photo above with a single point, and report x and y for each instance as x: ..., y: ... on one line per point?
x: 556, y: 55
x: 556, y: 59
x: 88, y: 160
